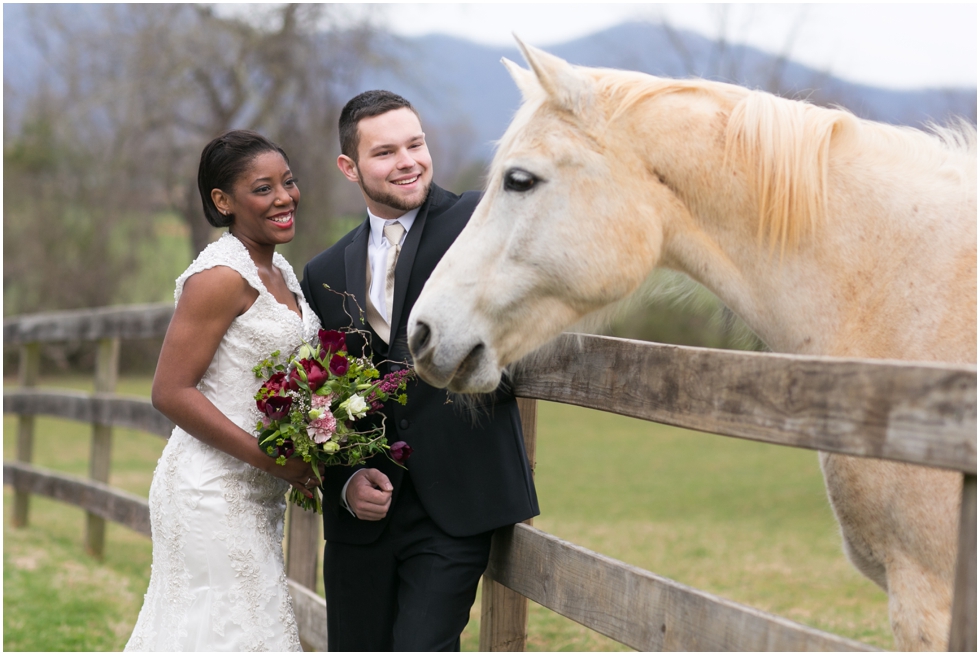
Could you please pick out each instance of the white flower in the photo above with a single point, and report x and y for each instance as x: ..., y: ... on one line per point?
x: 355, y: 406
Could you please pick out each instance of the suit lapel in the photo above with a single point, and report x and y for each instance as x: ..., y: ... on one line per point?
x: 355, y: 267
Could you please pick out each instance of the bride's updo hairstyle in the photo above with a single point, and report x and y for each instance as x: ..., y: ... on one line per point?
x: 223, y: 161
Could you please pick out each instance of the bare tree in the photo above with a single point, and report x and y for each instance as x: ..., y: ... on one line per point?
x: 728, y: 61
x: 144, y: 87
x: 128, y: 95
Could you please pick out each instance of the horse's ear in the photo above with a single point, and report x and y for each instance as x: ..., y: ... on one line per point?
x: 566, y: 87
x: 523, y: 78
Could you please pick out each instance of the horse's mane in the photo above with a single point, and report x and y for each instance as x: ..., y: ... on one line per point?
x: 786, y: 145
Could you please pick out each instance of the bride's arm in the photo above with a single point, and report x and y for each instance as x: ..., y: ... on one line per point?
x: 210, y: 301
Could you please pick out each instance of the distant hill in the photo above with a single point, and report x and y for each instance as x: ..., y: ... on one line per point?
x: 453, y: 81
x: 467, y: 98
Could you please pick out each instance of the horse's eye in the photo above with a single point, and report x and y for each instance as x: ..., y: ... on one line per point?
x: 519, y: 180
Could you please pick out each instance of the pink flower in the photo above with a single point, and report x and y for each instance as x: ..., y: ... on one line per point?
x: 319, y: 402
x: 323, y: 428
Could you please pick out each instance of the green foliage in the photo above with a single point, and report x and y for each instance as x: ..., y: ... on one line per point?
x: 672, y: 308
x: 69, y: 240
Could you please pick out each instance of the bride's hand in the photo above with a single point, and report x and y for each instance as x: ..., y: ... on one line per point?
x: 297, y: 473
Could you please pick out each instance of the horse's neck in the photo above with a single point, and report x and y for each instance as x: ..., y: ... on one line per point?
x: 886, y: 275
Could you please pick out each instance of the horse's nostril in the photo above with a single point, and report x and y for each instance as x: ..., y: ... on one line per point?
x: 471, y: 362
x: 420, y: 338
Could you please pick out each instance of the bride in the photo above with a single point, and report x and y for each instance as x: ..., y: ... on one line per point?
x: 217, y: 501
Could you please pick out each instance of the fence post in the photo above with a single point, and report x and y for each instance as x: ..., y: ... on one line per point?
x: 304, y: 546
x: 30, y: 369
x: 503, y: 613
x: 963, y: 631
x: 106, y: 374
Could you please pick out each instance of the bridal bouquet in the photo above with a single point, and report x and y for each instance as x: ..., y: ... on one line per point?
x: 310, y: 404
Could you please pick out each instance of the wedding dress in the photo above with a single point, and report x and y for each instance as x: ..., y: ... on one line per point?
x: 217, y: 580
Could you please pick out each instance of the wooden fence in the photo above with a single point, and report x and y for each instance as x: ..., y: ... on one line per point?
x: 918, y: 413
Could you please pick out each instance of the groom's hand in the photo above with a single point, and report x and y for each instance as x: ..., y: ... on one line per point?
x: 369, y: 494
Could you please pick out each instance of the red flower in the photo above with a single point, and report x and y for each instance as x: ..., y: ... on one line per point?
x: 286, y: 449
x: 273, y: 386
x: 315, y: 375
x: 276, y: 382
x: 332, y: 341
x: 400, y: 451
x: 277, y: 407
x: 339, y: 365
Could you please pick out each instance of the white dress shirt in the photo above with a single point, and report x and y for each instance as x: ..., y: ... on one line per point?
x: 378, y: 256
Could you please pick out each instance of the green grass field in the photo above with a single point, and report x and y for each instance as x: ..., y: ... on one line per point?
x: 746, y: 521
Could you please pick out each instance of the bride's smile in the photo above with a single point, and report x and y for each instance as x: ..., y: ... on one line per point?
x: 263, y: 202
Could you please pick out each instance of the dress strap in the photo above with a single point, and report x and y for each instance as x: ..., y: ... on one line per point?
x: 292, y: 282
x: 227, y: 251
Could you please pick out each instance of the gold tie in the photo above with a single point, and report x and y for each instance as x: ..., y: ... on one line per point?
x: 394, y: 233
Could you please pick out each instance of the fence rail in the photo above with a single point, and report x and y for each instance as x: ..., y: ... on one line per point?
x: 638, y: 608
x: 93, y: 496
x: 105, y: 409
x: 124, y: 322
x: 919, y: 413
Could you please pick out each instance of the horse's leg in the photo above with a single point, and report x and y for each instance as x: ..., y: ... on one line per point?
x: 899, y: 524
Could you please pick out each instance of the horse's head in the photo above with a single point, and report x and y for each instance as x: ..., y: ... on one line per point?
x: 572, y: 220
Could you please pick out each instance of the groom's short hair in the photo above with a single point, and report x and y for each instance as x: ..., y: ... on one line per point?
x: 366, y: 105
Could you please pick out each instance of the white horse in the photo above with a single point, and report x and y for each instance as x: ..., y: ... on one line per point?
x: 827, y: 234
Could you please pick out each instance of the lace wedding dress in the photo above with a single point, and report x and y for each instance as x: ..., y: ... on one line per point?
x: 218, y: 581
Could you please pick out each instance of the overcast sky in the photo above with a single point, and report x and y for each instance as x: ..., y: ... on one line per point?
x: 893, y: 45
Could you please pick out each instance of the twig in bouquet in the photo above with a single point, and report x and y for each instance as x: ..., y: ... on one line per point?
x: 365, y: 335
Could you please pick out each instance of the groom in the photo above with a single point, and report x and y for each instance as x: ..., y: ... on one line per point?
x: 406, y: 548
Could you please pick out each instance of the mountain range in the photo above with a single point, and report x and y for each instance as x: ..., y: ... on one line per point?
x: 466, y: 97
x: 462, y: 86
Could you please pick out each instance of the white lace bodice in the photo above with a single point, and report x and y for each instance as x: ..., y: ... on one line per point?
x: 267, y: 326
x: 218, y: 581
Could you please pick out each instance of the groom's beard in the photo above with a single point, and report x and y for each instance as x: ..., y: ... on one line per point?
x: 390, y: 199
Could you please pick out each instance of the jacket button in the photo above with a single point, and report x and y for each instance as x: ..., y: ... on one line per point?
x: 394, y: 368
x: 403, y: 424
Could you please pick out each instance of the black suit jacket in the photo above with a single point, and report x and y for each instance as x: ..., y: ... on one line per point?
x: 469, y: 468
